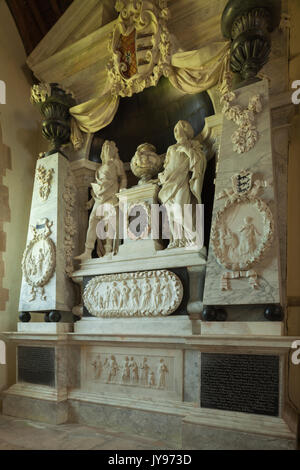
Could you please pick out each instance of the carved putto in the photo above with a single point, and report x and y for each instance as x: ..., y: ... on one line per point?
x: 243, y: 229
x: 181, y: 184
x: 142, y: 294
x: 38, y: 264
x: 140, y: 46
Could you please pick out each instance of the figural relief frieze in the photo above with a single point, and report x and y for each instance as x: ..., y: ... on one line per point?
x: 38, y: 264
x: 44, y: 178
x: 242, y: 230
x: 69, y: 197
x: 141, y: 294
x: 143, y: 372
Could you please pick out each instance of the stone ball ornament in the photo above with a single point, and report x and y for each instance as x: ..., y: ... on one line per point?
x: 146, y: 163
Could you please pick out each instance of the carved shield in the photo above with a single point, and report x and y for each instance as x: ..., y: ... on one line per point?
x: 128, y: 59
x: 242, y: 182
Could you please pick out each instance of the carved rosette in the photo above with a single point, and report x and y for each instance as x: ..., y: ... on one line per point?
x: 243, y: 230
x: 69, y: 197
x: 141, y: 294
x: 44, y: 178
x: 39, y: 260
x: 140, y: 46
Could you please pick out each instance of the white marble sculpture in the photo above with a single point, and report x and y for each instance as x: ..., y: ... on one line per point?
x: 243, y: 229
x: 142, y: 294
x: 110, y: 179
x: 150, y: 372
x: 182, y: 181
x: 38, y: 264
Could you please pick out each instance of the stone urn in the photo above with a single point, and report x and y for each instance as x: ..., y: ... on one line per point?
x: 146, y: 163
x: 248, y: 24
x: 54, y: 103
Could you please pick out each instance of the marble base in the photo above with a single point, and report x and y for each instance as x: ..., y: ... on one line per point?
x: 167, y: 407
x: 46, y: 328
x: 170, y: 326
x: 35, y: 409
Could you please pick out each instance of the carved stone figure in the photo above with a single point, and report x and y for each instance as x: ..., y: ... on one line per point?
x: 151, y: 379
x: 134, y: 370
x: 97, y: 366
x: 162, y: 372
x: 182, y: 181
x: 112, y: 368
x: 110, y: 179
x: 126, y: 371
x: 248, y: 237
x: 145, y: 372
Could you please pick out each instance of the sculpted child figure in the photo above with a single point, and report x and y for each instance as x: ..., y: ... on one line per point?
x: 110, y: 179
x: 182, y: 181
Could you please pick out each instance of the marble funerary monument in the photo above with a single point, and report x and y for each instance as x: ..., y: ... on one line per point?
x: 157, y: 314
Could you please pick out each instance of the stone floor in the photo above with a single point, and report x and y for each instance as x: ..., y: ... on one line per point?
x: 22, y: 434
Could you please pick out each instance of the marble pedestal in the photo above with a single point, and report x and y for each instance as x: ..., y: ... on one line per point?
x: 138, y: 201
x: 243, y: 260
x: 159, y: 385
x: 48, y: 258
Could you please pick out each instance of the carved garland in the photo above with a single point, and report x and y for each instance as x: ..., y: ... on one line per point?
x: 245, y: 138
x: 69, y: 197
x: 245, y: 194
x: 37, y: 273
x: 44, y: 178
x: 150, y: 19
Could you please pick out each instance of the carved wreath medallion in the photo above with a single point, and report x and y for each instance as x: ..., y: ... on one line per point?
x: 243, y: 229
x: 141, y: 294
x: 38, y: 264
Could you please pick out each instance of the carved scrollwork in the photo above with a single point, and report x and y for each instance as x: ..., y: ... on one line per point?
x: 243, y: 229
x: 141, y: 294
x: 38, y: 263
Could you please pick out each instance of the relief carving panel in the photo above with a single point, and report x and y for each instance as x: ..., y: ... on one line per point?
x: 141, y: 294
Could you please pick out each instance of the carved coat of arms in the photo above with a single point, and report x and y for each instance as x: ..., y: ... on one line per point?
x: 140, y: 46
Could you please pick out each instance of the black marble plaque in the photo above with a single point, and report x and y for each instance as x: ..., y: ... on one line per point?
x: 36, y: 365
x: 245, y: 383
